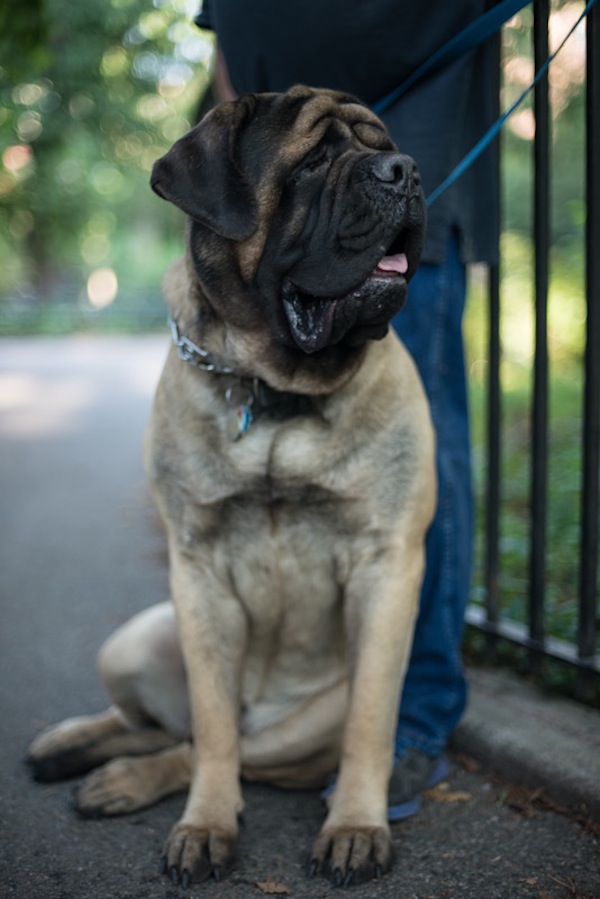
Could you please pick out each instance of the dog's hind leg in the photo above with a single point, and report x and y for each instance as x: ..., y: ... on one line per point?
x: 301, y: 751
x: 77, y: 745
x: 142, y: 669
x: 126, y: 785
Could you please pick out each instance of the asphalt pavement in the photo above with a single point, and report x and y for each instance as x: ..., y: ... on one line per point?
x: 80, y: 551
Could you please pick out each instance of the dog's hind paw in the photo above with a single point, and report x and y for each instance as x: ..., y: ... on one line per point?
x: 125, y: 785
x: 61, y: 751
x: 73, y: 747
x: 116, y: 788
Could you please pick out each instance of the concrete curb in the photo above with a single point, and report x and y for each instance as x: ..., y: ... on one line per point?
x: 533, y: 738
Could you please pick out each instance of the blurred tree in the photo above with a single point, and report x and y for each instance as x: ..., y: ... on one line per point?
x: 90, y: 94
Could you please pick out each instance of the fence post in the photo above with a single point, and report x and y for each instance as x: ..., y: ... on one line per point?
x: 591, y: 410
x: 539, y: 420
x: 494, y: 417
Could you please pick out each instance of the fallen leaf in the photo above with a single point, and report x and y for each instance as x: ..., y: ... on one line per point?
x: 272, y: 886
x: 569, y: 885
x: 467, y: 762
x: 441, y: 793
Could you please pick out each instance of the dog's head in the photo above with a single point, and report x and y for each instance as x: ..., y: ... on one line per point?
x: 306, y: 222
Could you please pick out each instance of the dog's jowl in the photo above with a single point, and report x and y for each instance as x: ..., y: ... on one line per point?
x: 291, y: 456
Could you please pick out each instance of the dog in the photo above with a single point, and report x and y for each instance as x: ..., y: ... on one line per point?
x: 291, y: 456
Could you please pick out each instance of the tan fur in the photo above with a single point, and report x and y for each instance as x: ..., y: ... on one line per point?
x: 296, y: 559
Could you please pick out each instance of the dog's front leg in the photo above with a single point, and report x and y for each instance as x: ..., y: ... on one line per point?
x: 212, y: 633
x: 381, y: 606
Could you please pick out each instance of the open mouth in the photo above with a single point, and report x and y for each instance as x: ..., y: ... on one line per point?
x: 317, y: 322
x: 395, y: 262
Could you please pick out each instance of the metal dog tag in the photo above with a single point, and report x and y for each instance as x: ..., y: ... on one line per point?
x: 238, y: 422
x: 239, y: 418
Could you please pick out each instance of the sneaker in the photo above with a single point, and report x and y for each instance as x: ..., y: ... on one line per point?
x: 412, y: 774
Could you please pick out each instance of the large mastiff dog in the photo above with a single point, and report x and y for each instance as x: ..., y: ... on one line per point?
x: 291, y: 455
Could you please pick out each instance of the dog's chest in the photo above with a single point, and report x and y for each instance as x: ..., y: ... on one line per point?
x: 283, y: 561
x: 278, y: 551
x: 279, y: 546
x: 276, y: 526
x: 278, y: 485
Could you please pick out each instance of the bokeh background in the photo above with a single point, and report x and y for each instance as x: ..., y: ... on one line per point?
x: 92, y: 92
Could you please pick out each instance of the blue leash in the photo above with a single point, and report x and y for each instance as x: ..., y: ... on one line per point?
x: 475, y: 33
x: 492, y: 132
x: 469, y: 38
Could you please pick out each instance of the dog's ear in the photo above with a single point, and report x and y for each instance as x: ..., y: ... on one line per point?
x: 201, y: 175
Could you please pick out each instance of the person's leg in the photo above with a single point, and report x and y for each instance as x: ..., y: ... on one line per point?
x: 430, y: 325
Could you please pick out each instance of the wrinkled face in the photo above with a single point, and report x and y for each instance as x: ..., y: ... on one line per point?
x: 305, y: 218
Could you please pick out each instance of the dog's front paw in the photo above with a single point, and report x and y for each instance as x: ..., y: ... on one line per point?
x: 349, y: 855
x: 193, y: 854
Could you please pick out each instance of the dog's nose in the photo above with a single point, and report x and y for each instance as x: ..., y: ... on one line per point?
x: 396, y: 170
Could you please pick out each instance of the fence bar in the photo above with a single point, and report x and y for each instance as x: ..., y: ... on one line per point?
x: 591, y: 411
x: 561, y: 650
x: 492, y: 506
x: 494, y: 414
x: 539, y: 423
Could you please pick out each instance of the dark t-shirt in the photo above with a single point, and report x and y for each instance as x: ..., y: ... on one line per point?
x: 367, y: 48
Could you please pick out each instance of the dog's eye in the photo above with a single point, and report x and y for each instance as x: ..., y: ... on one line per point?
x: 318, y: 159
x: 315, y: 162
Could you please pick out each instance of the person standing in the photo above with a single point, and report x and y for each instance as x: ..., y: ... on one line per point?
x: 368, y: 48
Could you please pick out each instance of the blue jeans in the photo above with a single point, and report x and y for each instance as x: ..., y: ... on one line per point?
x: 430, y: 326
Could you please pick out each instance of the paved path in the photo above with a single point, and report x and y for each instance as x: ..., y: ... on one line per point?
x: 79, y: 553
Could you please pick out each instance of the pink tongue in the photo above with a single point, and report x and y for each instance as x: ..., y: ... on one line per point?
x: 397, y: 263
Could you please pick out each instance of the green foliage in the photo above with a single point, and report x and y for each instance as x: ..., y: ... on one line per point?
x: 567, y: 99
x: 90, y: 95
x: 566, y: 334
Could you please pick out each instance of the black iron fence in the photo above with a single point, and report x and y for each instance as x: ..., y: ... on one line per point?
x: 580, y: 653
